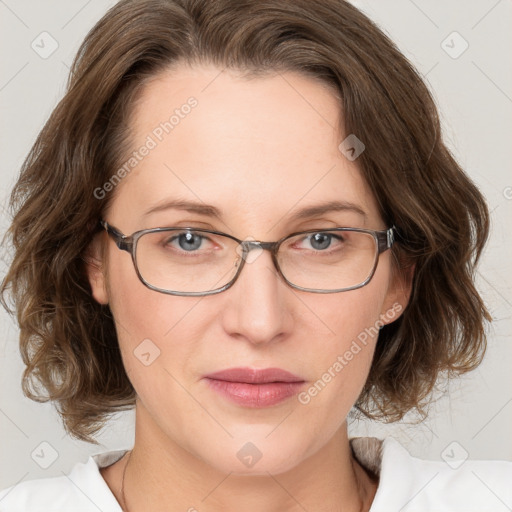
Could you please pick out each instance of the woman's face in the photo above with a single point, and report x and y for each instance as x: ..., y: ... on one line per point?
x: 258, y: 151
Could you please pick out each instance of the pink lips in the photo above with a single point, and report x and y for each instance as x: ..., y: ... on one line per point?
x: 254, y: 387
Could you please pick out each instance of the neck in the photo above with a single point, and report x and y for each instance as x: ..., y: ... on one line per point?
x: 161, y: 475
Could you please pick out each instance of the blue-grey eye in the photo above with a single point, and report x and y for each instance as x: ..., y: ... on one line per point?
x: 187, y: 241
x: 320, y: 241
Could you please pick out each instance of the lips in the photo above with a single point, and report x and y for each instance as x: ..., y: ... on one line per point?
x: 255, y: 388
x: 255, y: 376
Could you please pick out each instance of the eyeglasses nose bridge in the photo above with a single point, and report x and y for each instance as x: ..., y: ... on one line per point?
x: 249, y: 245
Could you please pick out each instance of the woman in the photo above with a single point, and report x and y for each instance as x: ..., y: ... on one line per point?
x: 251, y: 225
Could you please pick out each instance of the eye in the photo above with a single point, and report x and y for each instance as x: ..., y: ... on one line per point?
x: 187, y: 241
x: 321, y: 241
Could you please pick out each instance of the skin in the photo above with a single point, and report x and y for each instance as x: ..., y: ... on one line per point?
x: 258, y: 150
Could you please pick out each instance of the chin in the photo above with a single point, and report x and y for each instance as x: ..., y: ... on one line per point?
x: 257, y: 454
x: 276, y: 464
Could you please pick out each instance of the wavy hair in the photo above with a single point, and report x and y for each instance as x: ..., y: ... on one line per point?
x: 68, y: 341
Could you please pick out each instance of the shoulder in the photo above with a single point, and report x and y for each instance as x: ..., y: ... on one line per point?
x: 83, y: 489
x: 407, y: 483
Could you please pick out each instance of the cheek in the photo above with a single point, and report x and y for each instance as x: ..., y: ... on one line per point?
x: 351, y: 322
x: 155, y: 331
x: 347, y: 352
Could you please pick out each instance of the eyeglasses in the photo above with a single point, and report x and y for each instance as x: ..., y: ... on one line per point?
x: 195, y: 262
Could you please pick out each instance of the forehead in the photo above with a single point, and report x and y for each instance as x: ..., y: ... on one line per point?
x: 255, y: 148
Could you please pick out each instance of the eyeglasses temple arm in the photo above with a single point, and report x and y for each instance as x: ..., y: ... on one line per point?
x: 386, y: 239
x: 124, y: 242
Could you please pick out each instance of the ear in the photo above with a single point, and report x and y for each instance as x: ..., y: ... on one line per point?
x: 399, y: 291
x: 95, y: 264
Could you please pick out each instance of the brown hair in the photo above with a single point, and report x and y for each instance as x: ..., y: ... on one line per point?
x: 68, y: 341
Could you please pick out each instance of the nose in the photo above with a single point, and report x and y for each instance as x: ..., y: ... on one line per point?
x: 256, y: 306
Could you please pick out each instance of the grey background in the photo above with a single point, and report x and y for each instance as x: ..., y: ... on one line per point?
x: 473, y: 415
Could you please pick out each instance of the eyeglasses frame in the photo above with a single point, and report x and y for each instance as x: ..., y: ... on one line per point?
x: 384, y: 240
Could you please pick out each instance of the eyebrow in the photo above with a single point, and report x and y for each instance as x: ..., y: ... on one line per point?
x: 212, y: 211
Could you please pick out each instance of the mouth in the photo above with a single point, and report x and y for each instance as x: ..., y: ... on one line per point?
x: 255, y: 388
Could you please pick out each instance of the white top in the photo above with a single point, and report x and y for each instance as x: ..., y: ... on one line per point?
x: 406, y: 484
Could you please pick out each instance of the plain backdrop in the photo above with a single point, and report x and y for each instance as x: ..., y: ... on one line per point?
x: 463, y: 51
